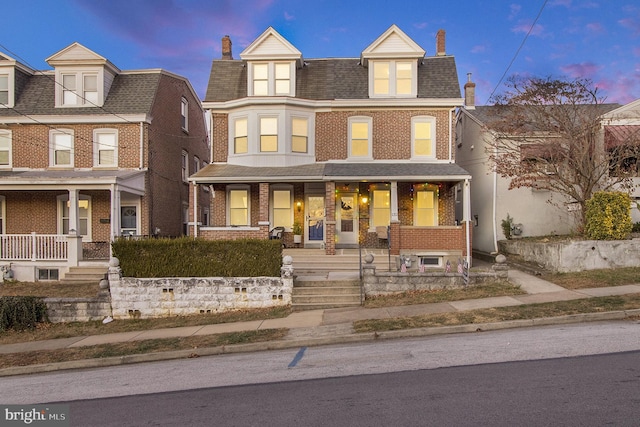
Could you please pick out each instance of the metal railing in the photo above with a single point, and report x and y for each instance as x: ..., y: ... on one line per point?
x: 33, y: 247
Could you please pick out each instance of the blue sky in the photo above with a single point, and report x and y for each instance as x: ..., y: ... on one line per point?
x: 596, y: 39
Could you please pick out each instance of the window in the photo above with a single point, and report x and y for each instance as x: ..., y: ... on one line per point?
x: 184, y: 113
x: 5, y: 148
x: 238, y: 202
x: 381, y: 208
x: 282, y: 212
x: 299, y: 135
x: 4, y: 90
x: 84, y: 213
x: 105, y: 144
x: 425, y: 207
x: 360, y: 138
x: 196, y: 164
x: 268, y: 134
x: 272, y: 79
x: 205, y: 216
x: 394, y: 78
x: 80, y: 89
x: 185, y: 166
x: 240, y: 139
x: 422, y: 137
x: 61, y: 151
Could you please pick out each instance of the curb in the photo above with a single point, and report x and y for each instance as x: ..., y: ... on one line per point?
x: 311, y: 342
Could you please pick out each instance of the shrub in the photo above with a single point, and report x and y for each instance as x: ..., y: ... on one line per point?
x: 21, y: 312
x: 189, y: 257
x: 507, y: 226
x: 608, y: 216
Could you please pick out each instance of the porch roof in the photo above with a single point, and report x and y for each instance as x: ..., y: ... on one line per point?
x: 129, y: 180
x: 334, y: 171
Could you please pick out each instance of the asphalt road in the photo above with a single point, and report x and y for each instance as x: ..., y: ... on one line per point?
x: 530, y: 375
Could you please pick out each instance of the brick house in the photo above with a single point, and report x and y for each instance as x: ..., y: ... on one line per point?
x: 357, y: 151
x: 89, y: 152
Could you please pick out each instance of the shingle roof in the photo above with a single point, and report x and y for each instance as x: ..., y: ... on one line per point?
x: 216, y: 173
x: 129, y: 94
x: 335, y: 78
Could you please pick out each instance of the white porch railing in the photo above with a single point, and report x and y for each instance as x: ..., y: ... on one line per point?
x: 33, y: 247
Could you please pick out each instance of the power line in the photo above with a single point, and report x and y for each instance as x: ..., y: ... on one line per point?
x: 519, y: 49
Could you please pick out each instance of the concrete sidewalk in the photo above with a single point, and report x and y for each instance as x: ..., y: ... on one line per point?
x: 322, y: 326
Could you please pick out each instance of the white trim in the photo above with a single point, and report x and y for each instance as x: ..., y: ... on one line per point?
x: 77, y: 119
x: 96, y: 147
x: 52, y: 147
x: 281, y: 187
x: 9, y: 136
x: 393, y: 79
x: 227, y: 106
x: 3, y: 214
x: 423, y: 119
x: 271, y: 78
x: 358, y: 120
x: 228, y: 190
x: 64, y: 198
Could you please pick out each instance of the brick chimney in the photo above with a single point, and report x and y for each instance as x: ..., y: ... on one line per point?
x: 226, y: 48
x: 440, y: 50
x: 469, y: 94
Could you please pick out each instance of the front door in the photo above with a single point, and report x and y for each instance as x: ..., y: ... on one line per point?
x: 315, y: 221
x: 347, y: 219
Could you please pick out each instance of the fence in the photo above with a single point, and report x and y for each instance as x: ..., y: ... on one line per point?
x: 33, y: 247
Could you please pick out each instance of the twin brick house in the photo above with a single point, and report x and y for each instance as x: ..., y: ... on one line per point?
x: 357, y: 152
x: 89, y: 152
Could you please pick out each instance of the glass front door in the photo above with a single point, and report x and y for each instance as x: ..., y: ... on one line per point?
x: 315, y: 219
x: 347, y: 219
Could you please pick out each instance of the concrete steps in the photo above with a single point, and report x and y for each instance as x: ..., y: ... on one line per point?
x: 85, y: 274
x: 322, y: 294
x: 314, y: 261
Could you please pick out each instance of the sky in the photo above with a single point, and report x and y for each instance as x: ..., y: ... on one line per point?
x: 492, y: 39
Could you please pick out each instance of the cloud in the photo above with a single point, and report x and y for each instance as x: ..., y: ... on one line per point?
x: 582, y: 70
x: 479, y: 48
x: 525, y: 27
x: 421, y: 25
x: 631, y: 24
x: 288, y: 17
x: 514, y: 10
x: 595, y: 28
x: 621, y: 88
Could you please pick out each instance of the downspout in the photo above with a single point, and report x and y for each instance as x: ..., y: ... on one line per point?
x: 195, y: 210
x: 141, y: 145
x: 467, y: 218
x: 451, y: 136
x: 495, y: 208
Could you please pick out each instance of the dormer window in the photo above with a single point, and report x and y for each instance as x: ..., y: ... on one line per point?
x: 394, y: 78
x: 272, y: 79
x: 4, y: 89
x: 79, y: 89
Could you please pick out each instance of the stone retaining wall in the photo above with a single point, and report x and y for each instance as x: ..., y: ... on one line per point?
x: 78, y: 309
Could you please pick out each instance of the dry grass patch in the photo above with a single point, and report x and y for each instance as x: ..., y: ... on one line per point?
x: 49, y: 289
x: 595, y: 278
x: 493, y: 289
x: 499, y: 314
x: 139, y: 347
x: 46, y: 331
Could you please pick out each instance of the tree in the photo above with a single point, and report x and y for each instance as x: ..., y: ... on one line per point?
x: 548, y: 135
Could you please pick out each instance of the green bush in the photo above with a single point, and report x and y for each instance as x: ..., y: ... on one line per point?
x: 189, y: 257
x: 21, y: 312
x: 608, y: 216
x: 507, y: 225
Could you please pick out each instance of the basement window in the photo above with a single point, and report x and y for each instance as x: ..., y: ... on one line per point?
x: 430, y: 261
x: 48, y: 274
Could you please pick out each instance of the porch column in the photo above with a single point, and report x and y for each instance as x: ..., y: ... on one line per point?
x: 466, y: 217
x: 263, y: 214
x: 394, y: 201
x: 330, y: 217
x: 74, y: 239
x: 193, y: 204
x: 115, y: 212
x: 74, y: 212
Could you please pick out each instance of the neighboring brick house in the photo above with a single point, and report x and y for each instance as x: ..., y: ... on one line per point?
x: 348, y: 148
x: 87, y: 149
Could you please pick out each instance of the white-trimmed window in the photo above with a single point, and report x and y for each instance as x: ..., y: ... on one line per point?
x: 268, y: 134
x: 84, y: 213
x: 423, y: 137
x: 394, y: 78
x: 196, y: 164
x: 360, y: 138
x: 299, y: 135
x: 129, y: 220
x: 79, y: 89
x: 425, y: 206
x: 240, y: 136
x: 282, y: 206
x: 238, y: 206
x: 272, y: 79
x: 105, y: 148
x: 185, y: 166
x: 380, y: 208
x: 184, y: 114
x: 4, y: 90
x: 61, y: 147
x: 3, y: 214
x: 6, y: 152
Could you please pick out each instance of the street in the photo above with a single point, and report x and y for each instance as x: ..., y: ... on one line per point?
x: 531, y: 375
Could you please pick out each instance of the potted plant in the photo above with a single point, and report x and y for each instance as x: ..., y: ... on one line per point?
x: 297, y: 232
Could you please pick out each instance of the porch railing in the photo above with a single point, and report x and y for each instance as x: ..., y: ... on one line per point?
x: 33, y: 247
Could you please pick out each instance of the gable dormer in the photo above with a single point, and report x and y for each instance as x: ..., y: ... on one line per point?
x: 83, y: 78
x: 393, y: 60
x: 13, y: 76
x: 272, y: 63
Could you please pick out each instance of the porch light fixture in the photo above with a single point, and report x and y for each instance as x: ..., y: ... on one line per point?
x: 365, y: 200
x: 299, y: 205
